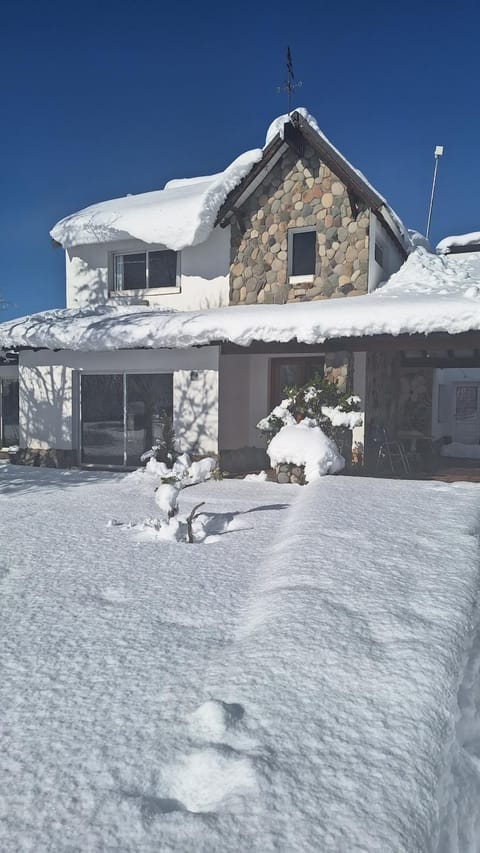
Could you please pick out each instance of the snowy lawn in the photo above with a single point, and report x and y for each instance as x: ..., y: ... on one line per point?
x: 291, y: 686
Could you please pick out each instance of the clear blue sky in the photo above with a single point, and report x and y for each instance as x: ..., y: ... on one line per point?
x: 104, y: 98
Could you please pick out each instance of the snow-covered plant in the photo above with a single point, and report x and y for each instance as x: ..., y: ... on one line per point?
x: 171, y: 526
x: 318, y: 400
x: 164, y: 448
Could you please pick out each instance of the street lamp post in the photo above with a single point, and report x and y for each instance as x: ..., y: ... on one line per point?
x: 438, y: 154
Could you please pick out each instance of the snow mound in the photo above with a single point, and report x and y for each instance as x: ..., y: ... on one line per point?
x: 418, y: 239
x: 306, y: 444
x: 261, y: 477
x: 426, y: 274
x: 445, y: 246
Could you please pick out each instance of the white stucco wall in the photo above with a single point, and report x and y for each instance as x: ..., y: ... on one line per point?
x: 392, y: 256
x: 204, y: 274
x: 49, y: 405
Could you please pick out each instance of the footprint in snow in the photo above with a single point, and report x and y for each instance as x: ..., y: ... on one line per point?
x: 112, y: 595
x: 214, y: 719
x: 224, y: 724
x: 205, y: 780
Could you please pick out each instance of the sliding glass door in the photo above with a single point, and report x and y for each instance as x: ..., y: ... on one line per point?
x: 9, y: 426
x: 149, y: 397
x: 102, y: 427
x: 121, y: 415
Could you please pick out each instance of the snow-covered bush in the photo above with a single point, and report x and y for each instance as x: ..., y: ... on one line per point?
x: 308, y: 425
x: 306, y: 444
x: 164, y: 448
x: 171, y: 526
x: 317, y: 400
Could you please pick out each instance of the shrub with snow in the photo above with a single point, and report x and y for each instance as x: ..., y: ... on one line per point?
x: 306, y: 444
x: 164, y: 448
x: 171, y: 526
x: 319, y: 400
x: 306, y: 426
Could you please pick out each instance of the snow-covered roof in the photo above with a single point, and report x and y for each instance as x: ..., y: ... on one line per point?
x: 185, y: 211
x: 459, y: 242
x: 430, y: 293
x: 182, y: 214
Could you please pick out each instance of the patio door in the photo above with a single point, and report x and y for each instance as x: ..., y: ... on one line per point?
x: 121, y: 415
x: 466, y: 416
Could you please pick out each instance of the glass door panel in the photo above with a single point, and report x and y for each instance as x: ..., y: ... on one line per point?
x: 102, y: 419
x: 286, y: 372
x: 149, y: 398
x: 9, y: 427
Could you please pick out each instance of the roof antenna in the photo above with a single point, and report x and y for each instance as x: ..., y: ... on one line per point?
x: 289, y: 85
x: 438, y: 154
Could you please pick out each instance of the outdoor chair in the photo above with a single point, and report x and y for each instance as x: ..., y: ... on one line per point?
x: 391, y: 452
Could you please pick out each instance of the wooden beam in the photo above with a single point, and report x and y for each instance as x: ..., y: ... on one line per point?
x: 294, y: 139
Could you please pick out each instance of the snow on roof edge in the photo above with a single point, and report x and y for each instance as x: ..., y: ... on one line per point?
x: 430, y: 293
x: 445, y: 246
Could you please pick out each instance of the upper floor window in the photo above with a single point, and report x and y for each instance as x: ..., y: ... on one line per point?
x: 302, y: 244
x: 145, y: 270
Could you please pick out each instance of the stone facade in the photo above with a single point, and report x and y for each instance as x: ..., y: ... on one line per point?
x: 46, y: 458
x: 288, y: 473
x: 298, y: 193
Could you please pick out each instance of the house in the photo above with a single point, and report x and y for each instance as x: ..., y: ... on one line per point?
x: 204, y: 299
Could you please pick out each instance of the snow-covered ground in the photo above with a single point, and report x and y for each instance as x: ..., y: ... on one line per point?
x: 292, y: 686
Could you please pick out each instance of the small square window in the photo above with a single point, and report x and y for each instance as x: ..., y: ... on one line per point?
x: 302, y: 253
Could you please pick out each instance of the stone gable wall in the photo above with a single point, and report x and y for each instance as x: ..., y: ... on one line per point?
x: 297, y: 193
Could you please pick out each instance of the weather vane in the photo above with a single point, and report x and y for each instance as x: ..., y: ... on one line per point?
x: 289, y: 85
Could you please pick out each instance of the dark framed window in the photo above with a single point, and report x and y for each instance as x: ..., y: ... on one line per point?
x: 285, y: 372
x: 144, y: 270
x: 302, y: 252
x: 9, y: 413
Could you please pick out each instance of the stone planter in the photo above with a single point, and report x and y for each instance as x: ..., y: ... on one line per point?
x: 288, y: 473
